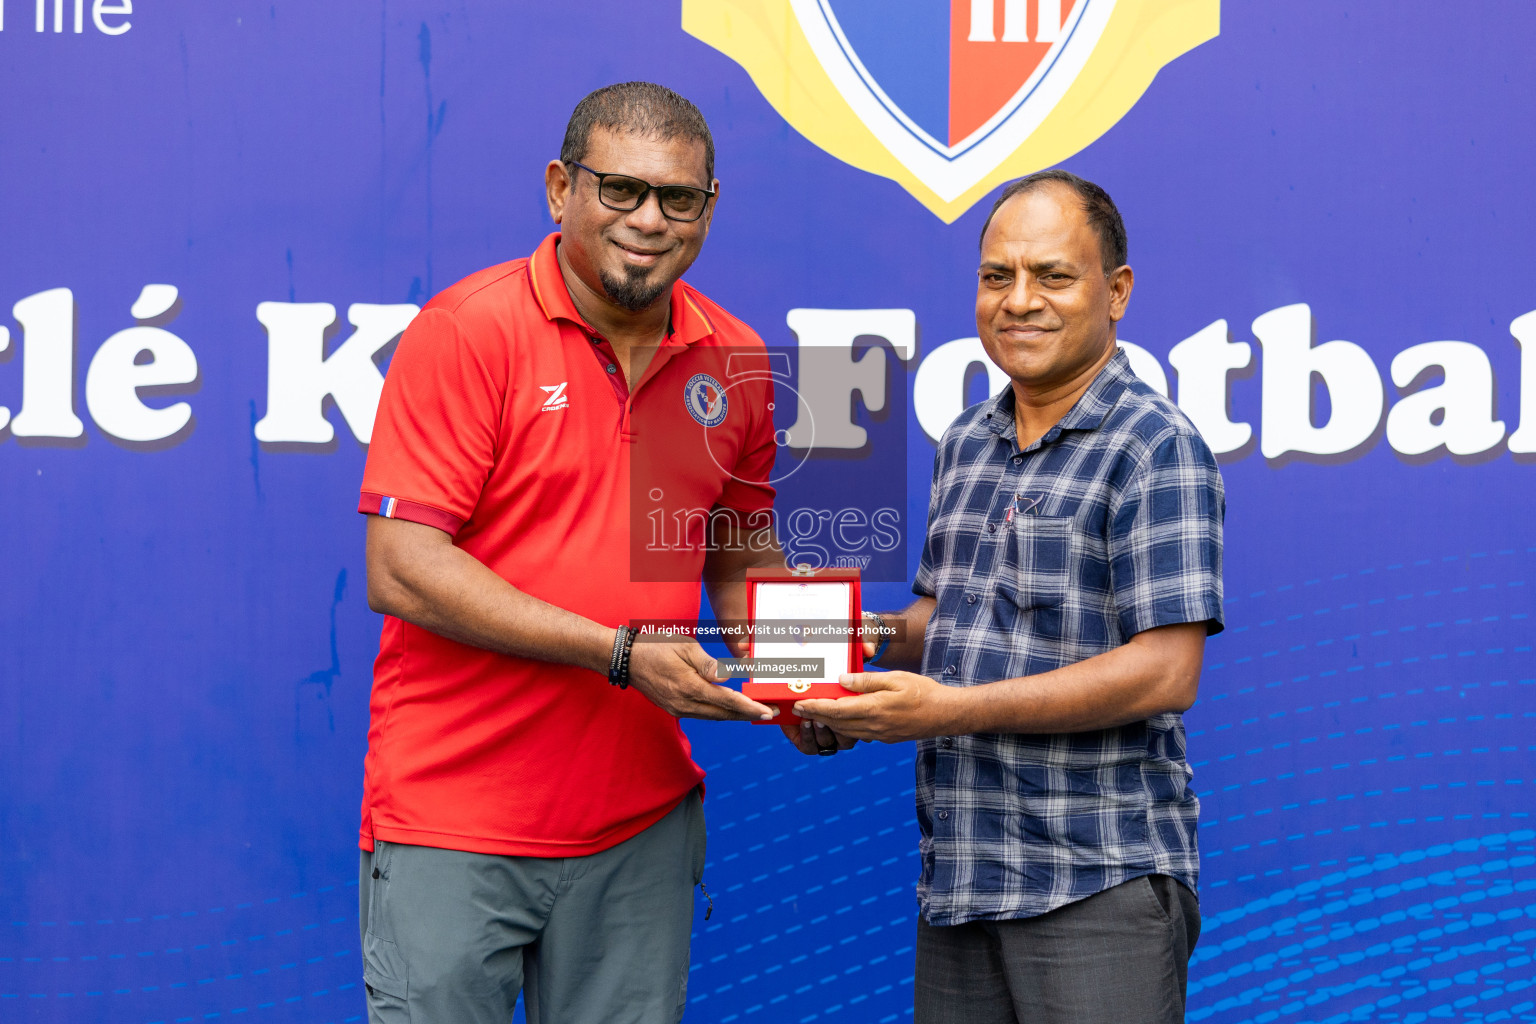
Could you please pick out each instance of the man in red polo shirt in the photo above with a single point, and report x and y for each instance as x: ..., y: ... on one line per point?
x: 531, y: 813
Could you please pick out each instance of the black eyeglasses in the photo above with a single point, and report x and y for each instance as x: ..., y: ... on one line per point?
x: 683, y: 203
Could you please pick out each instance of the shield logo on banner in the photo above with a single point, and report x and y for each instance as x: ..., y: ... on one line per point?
x: 951, y: 97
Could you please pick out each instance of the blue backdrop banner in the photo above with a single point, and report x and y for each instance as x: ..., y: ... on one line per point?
x: 217, y: 217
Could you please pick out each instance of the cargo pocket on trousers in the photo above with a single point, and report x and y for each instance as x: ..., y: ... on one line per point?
x: 385, y: 976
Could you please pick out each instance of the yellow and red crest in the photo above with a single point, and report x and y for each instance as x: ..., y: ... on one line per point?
x: 951, y: 97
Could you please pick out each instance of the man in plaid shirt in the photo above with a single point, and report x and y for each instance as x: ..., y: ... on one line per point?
x: 1070, y: 576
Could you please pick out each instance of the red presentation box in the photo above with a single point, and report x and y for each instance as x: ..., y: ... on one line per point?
x: 812, y: 596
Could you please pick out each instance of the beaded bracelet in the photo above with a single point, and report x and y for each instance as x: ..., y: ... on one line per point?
x: 618, y: 663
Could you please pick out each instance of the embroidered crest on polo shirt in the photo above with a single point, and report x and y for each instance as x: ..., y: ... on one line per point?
x: 556, y: 399
x: 705, y: 399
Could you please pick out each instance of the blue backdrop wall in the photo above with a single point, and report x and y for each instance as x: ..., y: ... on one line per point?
x: 185, y: 645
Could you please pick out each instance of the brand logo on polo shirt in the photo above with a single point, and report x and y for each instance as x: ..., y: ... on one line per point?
x: 556, y: 399
x: 705, y: 399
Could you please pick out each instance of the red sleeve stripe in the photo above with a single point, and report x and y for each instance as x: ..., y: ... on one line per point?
x: 411, y: 511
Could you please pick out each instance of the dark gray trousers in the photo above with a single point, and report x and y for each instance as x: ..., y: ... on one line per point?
x: 452, y: 937
x: 1118, y: 957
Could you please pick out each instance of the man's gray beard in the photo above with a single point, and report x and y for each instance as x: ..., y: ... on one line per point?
x: 633, y: 292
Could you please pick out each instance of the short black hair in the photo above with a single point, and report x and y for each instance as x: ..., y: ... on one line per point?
x: 1103, y: 215
x: 641, y: 108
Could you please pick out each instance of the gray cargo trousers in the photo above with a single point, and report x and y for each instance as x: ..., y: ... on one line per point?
x: 1118, y: 957
x: 452, y: 937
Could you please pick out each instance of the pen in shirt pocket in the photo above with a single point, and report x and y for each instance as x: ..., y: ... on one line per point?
x: 1021, y: 506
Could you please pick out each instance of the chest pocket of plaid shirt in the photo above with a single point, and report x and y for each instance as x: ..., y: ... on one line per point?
x: 1036, y: 561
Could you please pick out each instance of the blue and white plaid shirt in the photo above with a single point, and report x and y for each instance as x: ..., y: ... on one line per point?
x: 1116, y: 527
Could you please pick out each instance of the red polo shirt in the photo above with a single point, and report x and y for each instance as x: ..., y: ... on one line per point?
x: 506, y: 423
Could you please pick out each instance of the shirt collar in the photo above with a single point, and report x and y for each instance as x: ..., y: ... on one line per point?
x: 1086, y: 413
x: 689, y: 322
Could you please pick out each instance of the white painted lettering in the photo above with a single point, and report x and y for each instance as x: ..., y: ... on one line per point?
x: 48, y: 369
x: 829, y: 377
x: 115, y: 375
x: 938, y: 392
x: 1203, y: 362
x: 154, y: 300
x: 300, y: 375
x: 1464, y: 401
x: 5, y: 343
x: 100, y: 9
x: 1290, y: 360
x: 1523, y: 441
x: 1145, y: 365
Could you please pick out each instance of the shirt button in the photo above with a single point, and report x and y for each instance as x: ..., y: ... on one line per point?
x: 949, y: 670
x: 943, y: 815
x: 1018, y: 458
x: 949, y: 741
x: 612, y: 368
x: 970, y: 598
x: 991, y: 527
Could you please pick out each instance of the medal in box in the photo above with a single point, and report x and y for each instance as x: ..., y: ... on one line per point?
x: 803, y: 615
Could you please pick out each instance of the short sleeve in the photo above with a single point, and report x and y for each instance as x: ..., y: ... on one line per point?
x: 1166, y: 537
x: 434, y: 440
x: 748, y: 489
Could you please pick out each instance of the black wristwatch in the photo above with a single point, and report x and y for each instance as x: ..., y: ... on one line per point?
x: 885, y: 637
